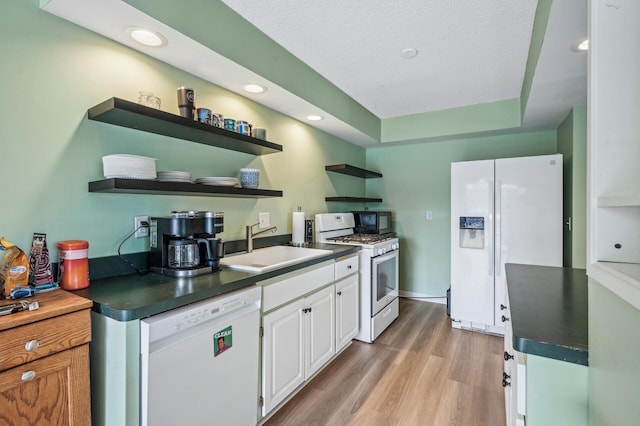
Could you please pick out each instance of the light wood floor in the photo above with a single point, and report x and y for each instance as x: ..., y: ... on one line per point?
x: 420, y: 371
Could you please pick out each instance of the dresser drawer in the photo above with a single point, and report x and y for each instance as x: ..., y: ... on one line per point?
x: 39, y: 339
x: 346, y: 266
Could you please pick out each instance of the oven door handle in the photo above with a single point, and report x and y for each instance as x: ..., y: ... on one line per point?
x: 384, y: 257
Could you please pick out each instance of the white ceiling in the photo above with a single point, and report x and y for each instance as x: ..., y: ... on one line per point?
x: 469, y: 52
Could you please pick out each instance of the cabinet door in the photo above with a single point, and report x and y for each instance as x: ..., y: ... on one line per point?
x: 320, y: 336
x: 53, y: 390
x: 347, y: 311
x: 283, y: 351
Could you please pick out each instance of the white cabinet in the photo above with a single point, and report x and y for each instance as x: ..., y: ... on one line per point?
x: 299, y: 338
x: 347, y: 310
x: 298, y: 330
x: 319, y: 329
x: 308, y: 316
x: 514, y: 375
x: 282, y: 353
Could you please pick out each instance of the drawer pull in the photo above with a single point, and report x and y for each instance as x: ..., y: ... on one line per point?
x: 504, y: 319
x: 339, y: 293
x: 348, y: 266
x: 505, y: 376
x: 27, y: 376
x: 502, y: 307
x: 32, y: 345
x: 505, y: 383
x: 507, y: 356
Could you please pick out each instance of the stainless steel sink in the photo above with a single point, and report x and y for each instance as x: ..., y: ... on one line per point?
x: 267, y: 259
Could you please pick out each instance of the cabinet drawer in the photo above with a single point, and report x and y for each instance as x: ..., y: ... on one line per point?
x: 39, y: 339
x: 346, y: 267
x: 295, y: 286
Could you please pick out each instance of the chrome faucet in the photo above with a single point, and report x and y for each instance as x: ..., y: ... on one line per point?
x: 251, y: 235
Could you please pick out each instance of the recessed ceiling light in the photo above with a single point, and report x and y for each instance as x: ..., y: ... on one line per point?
x: 314, y: 117
x: 581, y: 45
x: 254, y: 88
x: 146, y: 37
x: 409, y: 53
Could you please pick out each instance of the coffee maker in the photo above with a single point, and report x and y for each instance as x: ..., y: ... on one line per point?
x: 185, y: 243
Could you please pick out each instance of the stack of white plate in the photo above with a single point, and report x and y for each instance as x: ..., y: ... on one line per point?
x: 218, y: 181
x: 127, y: 166
x: 174, y: 176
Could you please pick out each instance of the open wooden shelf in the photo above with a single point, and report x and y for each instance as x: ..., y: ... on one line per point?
x: 124, y: 113
x: 347, y: 169
x: 354, y: 199
x: 138, y: 186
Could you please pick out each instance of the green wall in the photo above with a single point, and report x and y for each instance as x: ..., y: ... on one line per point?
x: 614, y: 345
x: 417, y: 179
x: 53, y: 71
x: 572, y: 143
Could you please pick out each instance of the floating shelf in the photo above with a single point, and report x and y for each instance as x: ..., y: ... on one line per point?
x: 135, y: 116
x: 137, y: 186
x: 354, y: 199
x: 347, y: 169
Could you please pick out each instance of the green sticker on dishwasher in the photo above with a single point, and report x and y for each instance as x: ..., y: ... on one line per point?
x: 222, y: 340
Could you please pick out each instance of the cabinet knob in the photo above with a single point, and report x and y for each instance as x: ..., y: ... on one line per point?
x: 502, y: 307
x: 504, y: 319
x: 348, y: 266
x: 27, y: 376
x: 339, y: 293
x: 505, y: 376
x: 505, y: 383
x: 31, y: 345
x: 507, y: 356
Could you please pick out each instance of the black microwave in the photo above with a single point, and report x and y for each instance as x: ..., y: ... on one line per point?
x: 372, y: 222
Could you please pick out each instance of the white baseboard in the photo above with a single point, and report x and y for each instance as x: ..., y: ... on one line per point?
x: 423, y: 297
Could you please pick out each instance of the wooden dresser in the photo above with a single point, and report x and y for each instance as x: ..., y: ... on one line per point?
x: 44, y: 362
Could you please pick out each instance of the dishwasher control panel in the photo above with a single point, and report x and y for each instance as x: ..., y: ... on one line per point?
x: 168, y: 323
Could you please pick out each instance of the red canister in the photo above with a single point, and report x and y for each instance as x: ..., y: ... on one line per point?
x: 74, y: 264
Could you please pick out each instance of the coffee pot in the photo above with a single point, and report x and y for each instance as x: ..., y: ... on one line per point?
x: 183, y: 253
x: 185, y: 244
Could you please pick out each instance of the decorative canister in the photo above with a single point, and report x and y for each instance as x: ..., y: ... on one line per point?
x: 230, y: 124
x: 73, y: 271
x: 242, y: 127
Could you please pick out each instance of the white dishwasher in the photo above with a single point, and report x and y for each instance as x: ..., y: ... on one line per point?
x: 199, y: 363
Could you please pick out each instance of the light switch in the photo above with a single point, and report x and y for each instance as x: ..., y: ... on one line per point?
x: 429, y: 215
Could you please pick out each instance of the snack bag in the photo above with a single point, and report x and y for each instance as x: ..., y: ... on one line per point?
x: 39, y: 264
x: 14, y: 270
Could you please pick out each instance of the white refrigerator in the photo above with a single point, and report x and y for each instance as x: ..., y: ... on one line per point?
x: 502, y: 211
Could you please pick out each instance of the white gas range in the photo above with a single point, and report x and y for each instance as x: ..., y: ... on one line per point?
x: 379, y: 305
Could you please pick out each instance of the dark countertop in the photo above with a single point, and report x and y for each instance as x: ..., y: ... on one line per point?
x: 549, y: 311
x: 130, y: 297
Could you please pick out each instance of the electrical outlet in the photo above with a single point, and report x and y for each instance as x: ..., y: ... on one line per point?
x: 263, y: 220
x: 429, y: 215
x: 141, y: 232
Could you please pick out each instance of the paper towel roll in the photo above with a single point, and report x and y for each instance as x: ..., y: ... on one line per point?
x: 298, y: 227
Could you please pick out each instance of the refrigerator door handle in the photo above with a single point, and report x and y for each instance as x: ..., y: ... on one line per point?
x: 489, y: 231
x: 498, y: 224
